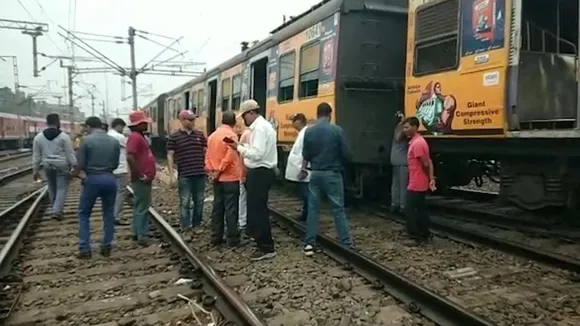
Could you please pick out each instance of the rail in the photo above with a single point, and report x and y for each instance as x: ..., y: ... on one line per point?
x: 10, y: 176
x: 7, y: 158
x: 10, y: 249
x: 233, y: 308
x: 417, y: 298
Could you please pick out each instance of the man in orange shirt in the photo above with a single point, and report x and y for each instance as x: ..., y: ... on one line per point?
x: 225, y: 171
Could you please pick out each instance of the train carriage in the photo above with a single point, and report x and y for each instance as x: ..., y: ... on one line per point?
x: 494, y: 83
x: 349, y: 53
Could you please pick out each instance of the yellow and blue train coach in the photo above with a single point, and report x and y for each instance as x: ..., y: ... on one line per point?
x: 349, y: 53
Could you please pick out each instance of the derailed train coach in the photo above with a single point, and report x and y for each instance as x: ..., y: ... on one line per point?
x: 494, y: 83
x: 349, y: 53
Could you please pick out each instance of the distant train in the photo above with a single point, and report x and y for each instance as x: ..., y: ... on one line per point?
x: 494, y: 83
x: 18, y: 131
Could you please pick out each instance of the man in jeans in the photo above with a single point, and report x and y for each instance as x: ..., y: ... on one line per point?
x: 97, y: 157
x: 421, y: 180
x: 142, y: 166
x: 187, y: 149
x: 117, y: 126
x: 224, y: 167
x: 54, y: 150
x: 326, y: 150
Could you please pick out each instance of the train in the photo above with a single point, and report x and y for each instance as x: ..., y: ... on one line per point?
x: 493, y: 83
x: 18, y: 131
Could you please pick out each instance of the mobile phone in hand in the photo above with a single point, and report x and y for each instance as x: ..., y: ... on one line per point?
x: 228, y: 140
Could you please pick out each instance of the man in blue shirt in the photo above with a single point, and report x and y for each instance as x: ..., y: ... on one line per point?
x: 326, y: 150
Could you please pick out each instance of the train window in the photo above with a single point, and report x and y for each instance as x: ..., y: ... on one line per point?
x: 226, y: 92
x: 436, y: 38
x: 199, y: 99
x: 286, y: 83
x: 194, y: 100
x: 309, y: 64
x: 236, y: 92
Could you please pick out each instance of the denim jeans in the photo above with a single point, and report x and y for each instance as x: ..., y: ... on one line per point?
x: 95, y: 186
x: 191, y: 189
x: 330, y: 184
x: 58, y: 181
x: 141, y: 203
x: 122, y: 181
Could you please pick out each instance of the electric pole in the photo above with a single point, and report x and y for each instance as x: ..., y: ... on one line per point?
x: 133, y: 73
x: 70, y: 93
x: 104, y: 111
x: 33, y: 29
x: 93, y: 104
x: 15, y: 71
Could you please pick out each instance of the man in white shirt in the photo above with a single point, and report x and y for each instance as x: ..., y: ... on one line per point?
x: 116, y: 131
x: 260, y: 158
x: 294, y: 171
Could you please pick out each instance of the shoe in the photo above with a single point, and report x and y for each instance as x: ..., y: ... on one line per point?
x: 217, y: 241
x: 135, y: 238
x: 260, y: 255
x: 84, y: 255
x: 144, y: 243
x: 57, y: 217
x: 394, y: 209
x: 308, y: 250
x: 106, y: 251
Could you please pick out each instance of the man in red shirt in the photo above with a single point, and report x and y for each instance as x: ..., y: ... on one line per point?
x: 142, y: 166
x: 421, y: 180
x: 225, y: 170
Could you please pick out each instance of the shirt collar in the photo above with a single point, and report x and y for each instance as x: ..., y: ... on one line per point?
x: 256, y: 122
x: 224, y: 126
x: 323, y: 120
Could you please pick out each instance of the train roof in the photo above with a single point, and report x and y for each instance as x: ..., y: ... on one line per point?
x: 299, y: 23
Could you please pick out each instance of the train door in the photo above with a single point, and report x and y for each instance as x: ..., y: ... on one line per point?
x: 212, y: 106
x: 259, y: 83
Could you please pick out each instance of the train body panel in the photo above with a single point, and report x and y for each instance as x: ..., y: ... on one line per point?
x: 18, y: 131
x: 494, y: 85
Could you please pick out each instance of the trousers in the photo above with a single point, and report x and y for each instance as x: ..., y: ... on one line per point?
x: 191, y: 189
x: 58, y: 181
x: 258, y: 183
x: 122, y: 182
x: 399, y: 186
x: 95, y: 186
x: 141, y: 203
x: 243, y: 207
x: 329, y: 183
x: 226, y: 207
x: 417, y: 214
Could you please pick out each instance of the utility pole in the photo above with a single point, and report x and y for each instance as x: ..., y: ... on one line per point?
x: 104, y: 111
x: 93, y: 104
x: 70, y: 93
x: 15, y: 71
x: 133, y: 73
x: 33, y: 29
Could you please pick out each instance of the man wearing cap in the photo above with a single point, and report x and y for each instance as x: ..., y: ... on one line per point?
x: 187, y: 148
x: 260, y: 158
x: 142, y: 166
x: 97, y: 157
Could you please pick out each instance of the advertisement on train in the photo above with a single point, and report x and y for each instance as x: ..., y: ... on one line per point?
x: 465, y: 97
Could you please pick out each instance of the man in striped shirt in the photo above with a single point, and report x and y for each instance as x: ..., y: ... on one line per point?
x: 187, y: 149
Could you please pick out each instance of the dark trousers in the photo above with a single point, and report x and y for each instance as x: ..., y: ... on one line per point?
x: 303, y: 186
x: 417, y: 215
x: 258, y: 183
x: 226, y: 203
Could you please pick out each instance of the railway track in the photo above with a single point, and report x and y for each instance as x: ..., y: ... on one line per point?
x: 14, y: 163
x: 450, y: 278
x: 291, y: 289
x: 43, y: 283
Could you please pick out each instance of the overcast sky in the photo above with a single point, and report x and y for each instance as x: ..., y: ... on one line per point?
x: 212, y: 32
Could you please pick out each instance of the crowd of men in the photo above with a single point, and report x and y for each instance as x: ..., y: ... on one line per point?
x: 241, y: 167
